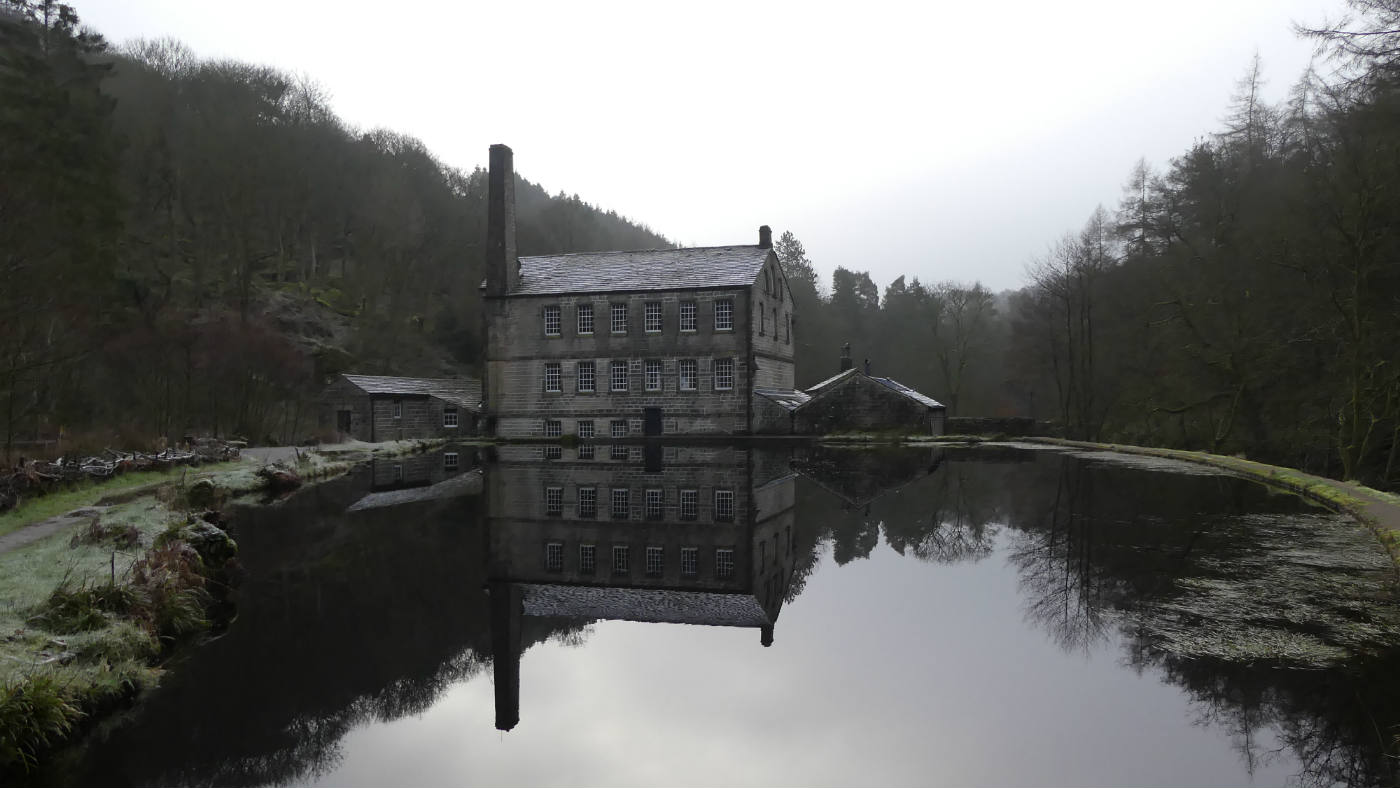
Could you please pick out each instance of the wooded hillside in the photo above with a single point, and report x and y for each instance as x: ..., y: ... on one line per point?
x: 190, y: 245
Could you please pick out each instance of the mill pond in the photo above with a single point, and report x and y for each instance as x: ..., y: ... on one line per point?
x: 1003, y: 614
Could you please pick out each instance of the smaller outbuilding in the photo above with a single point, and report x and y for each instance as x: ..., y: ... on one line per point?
x: 853, y: 401
x: 377, y: 408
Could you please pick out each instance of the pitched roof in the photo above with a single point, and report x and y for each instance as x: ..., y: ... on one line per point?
x: 649, y: 269
x: 462, y: 392
x: 889, y: 383
x: 791, y: 399
x: 922, y: 399
x: 644, y: 604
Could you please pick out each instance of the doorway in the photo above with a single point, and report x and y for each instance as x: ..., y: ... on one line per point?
x: 651, y: 422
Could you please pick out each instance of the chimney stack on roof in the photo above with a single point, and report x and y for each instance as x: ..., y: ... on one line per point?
x: 765, y: 237
x: 502, y: 263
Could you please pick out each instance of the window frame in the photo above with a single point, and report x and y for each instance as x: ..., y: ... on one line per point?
x: 689, y: 505
x: 554, y: 556
x: 719, y: 514
x: 724, y: 307
x: 554, y: 501
x: 591, y: 368
x: 655, y: 503
x: 690, y: 561
x: 655, y: 560
x: 618, y: 314
x: 621, y: 567
x: 693, y: 309
x: 587, y: 558
x: 694, y: 367
x: 613, y: 379
x: 587, y: 504
x: 649, y: 367
x: 553, y: 428
x: 449, y: 424
x: 652, y: 309
x: 553, y: 318
x: 620, y: 500
x: 724, y: 562
x: 579, y: 312
x: 553, y: 377
x: 728, y: 363
x: 450, y: 461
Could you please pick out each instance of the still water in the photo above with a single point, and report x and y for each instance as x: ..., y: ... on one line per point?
x: 1002, y: 615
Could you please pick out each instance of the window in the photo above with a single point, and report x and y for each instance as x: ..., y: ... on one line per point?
x: 554, y: 556
x: 585, y: 428
x: 653, y: 375
x: 398, y: 472
x: 619, y: 318
x: 449, y: 417
x: 585, y: 451
x: 551, y: 321
x: 690, y: 560
x: 724, y: 315
x: 767, y: 281
x: 620, y: 559
x: 655, y: 498
x: 553, y: 428
x: 398, y: 408
x: 689, y: 371
x: 586, y: 375
x: 619, y: 428
x: 621, y: 503
x: 587, y: 558
x: 724, y: 505
x: 762, y: 320
x: 775, y: 323
x: 585, y: 318
x: 724, y: 563
x: 449, y: 461
x: 587, y: 502
x: 787, y: 336
x: 552, y: 377
x: 618, y: 375
x: 688, y: 321
x: 618, y: 452
x: 724, y: 374
x: 553, y: 452
x: 652, y: 317
x: 656, y: 560
x: 690, y: 504
x: 554, y: 501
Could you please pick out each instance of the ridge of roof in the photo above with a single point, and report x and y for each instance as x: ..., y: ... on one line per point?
x: 641, y: 251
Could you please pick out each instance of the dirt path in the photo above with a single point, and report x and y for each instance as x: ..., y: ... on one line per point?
x: 33, y: 533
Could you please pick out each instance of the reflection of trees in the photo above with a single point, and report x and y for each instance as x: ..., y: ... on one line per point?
x: 352, y: 620
x: 1090, y: 562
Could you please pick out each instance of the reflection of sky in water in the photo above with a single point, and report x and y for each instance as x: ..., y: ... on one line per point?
x: 1015, y: 642
x: 886, y: 671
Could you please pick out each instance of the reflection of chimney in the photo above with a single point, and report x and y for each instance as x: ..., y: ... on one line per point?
x: 765, y: 237
x: 506, y: 611
x: 502, y: 264
x: 766, y: 636
x: 846, y: 362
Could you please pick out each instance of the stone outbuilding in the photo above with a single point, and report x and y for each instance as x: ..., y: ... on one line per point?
x: 377, y: 408
x: 853, y: 401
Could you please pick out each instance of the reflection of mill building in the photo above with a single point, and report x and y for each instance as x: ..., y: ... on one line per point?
x: 666, y: 341
x: 705, y: 536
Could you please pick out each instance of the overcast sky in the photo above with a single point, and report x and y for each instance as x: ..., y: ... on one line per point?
x: 936, y: 140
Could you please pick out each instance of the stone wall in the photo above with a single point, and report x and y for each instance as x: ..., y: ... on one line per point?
x: 518, y: 351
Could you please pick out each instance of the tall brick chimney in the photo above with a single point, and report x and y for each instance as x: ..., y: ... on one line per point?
x: 765, y: 237
x: 502, y: 263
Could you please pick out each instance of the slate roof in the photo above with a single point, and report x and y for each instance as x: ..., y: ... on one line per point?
x: 791, y: 399
x: 650, y: 269
x: 462, y: 392
x: 644, y: 604
x: 922, y: 399
x: 889, y: 383
x: 469, y: 483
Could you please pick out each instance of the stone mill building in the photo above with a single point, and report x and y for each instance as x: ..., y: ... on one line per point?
x: 618, y: 344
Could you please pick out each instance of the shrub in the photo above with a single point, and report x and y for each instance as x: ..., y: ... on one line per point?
x: 34, y: 713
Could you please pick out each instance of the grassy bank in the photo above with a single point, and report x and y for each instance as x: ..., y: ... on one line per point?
x: 86, y: 493
x: 88, y: 611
